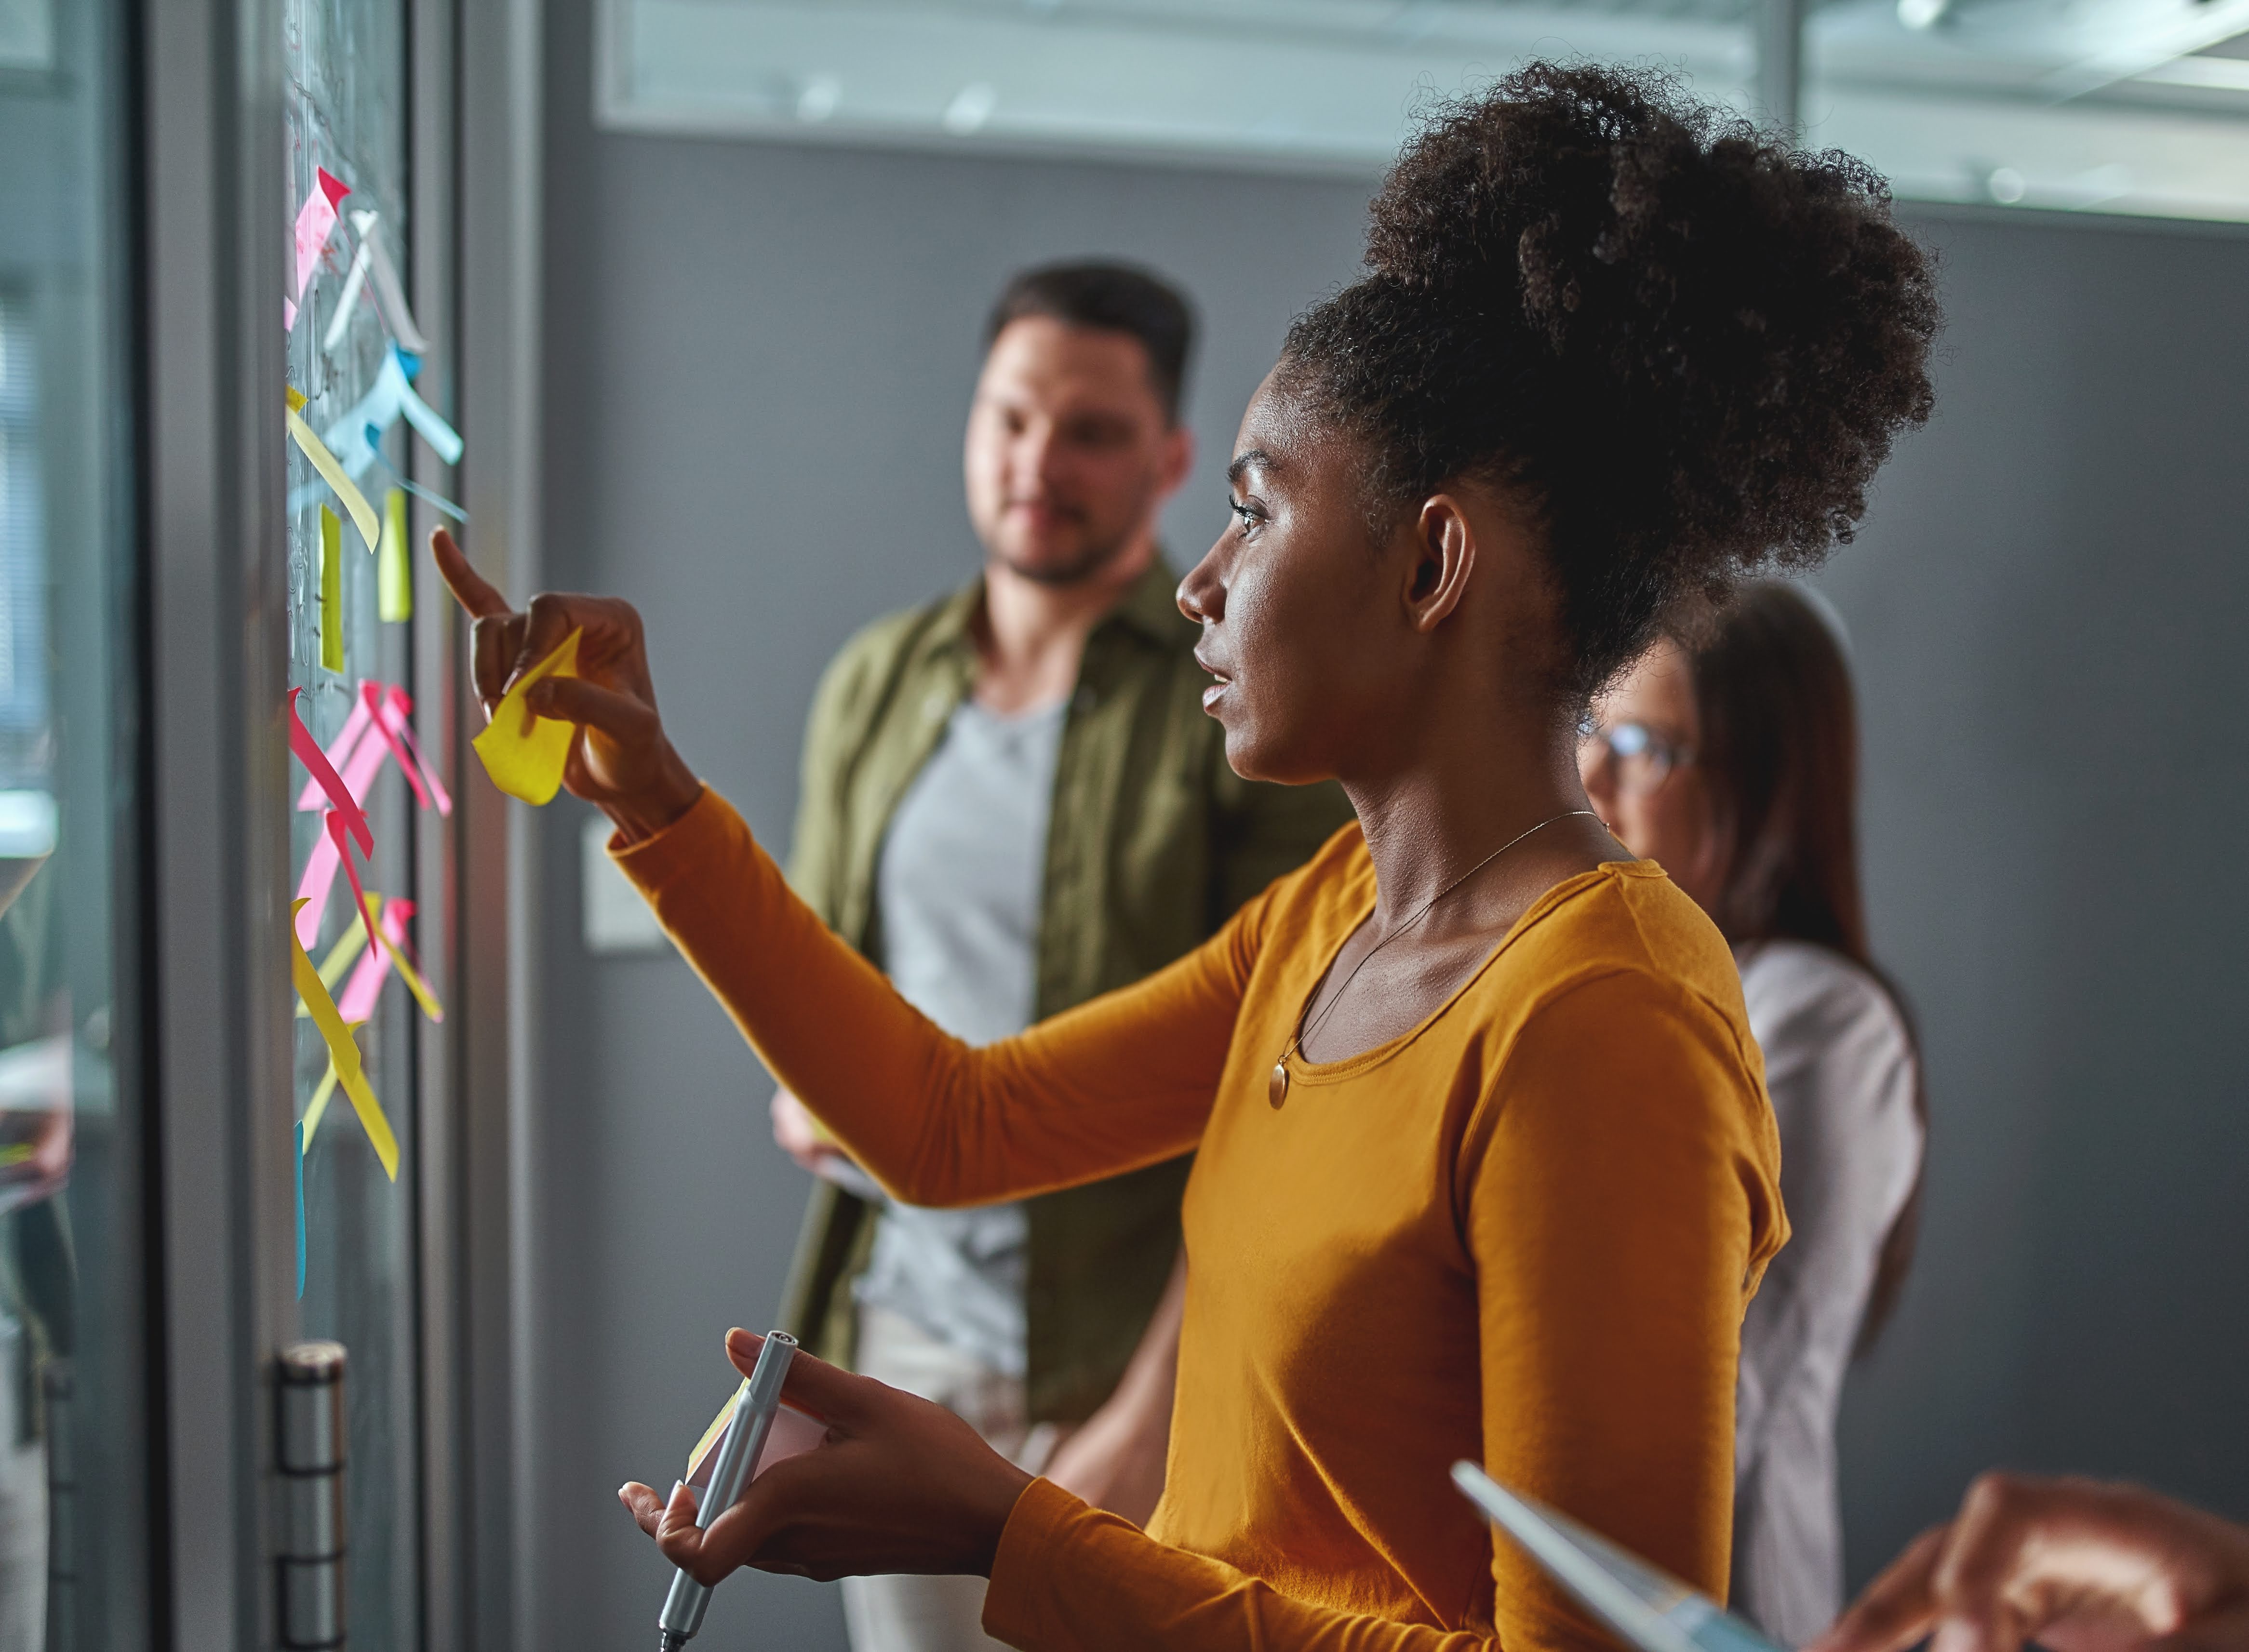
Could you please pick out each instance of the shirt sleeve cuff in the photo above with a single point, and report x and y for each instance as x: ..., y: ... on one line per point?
x: 1026, y: 1567
x: 690, y: 844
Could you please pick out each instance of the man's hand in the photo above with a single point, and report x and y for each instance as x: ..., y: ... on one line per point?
x: 620, y: 760
x: 2076, y: 1564
x: 797, y: 1134
x: 44, y: 1171
x: 898, y: 1485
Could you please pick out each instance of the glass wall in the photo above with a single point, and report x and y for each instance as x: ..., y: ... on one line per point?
x: 354, y: 355
x: 72, y: 1414
x: 141, y: 976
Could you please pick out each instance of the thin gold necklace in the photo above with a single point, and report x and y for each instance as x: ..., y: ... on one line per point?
x: 1276, y: 1086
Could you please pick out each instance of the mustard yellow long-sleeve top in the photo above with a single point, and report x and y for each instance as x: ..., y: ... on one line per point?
x: 1523, y: 1232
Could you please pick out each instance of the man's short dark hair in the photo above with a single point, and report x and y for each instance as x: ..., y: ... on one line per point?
x: 1115, y: 297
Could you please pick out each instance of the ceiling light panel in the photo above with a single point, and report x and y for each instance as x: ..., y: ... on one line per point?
x: 2078, y: 104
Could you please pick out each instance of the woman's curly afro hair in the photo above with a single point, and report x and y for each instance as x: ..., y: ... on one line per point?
x: 1685, y: 347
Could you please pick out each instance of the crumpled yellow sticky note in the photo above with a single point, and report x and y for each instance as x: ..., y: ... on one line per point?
x: 524, y: 752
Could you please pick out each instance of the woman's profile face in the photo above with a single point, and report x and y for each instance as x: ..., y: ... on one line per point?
x: 1641, y: 770
x: 1297, y: 607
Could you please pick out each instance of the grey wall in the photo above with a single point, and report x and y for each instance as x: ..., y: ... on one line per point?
x: 758, y: 363
x: 2048, y: 605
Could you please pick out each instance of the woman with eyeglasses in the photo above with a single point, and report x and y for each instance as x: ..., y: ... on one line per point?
x: 1483, y: 1167
x: 1731, y: 758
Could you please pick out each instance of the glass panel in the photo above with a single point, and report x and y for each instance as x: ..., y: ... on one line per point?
x: 72, y: 1471
x: 350, y: 355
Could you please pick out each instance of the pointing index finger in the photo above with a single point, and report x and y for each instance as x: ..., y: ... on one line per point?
x: 470, y: 589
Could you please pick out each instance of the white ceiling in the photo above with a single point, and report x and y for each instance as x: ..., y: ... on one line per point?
x: 2125, y: 106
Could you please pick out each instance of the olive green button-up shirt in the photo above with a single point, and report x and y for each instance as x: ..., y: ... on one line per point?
x: 1152, y: 843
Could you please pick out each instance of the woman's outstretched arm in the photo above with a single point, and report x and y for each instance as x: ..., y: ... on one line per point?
x: 1123, y: 1081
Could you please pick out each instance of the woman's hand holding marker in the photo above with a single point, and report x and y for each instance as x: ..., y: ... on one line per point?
x: 899, y: 1485
x: 620, y: 760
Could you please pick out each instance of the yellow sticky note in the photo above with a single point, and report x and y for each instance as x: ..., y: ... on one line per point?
x: 362, y: 513
x: 394, y: 567
x: 340, y: 955
x: 332, y: 590
x: 414, y: 983
x: 717, y: 1427
x: 341, y: 1050
x: 317, y: 1107
x: 523, y: 751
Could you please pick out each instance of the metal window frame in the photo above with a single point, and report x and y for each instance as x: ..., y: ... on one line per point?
x: 477, y: 1328
x: 219, y: 1080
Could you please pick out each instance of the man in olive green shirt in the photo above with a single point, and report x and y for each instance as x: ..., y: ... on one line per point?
x: 1013, y: 801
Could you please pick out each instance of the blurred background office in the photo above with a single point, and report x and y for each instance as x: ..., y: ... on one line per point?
x: 701, y: 283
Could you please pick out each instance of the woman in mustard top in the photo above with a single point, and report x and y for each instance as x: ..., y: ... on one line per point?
x: 1485, y: 1166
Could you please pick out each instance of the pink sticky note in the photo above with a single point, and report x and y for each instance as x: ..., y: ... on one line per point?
x: 368, y: 975
x: 370, y: 702
x: 340, y: 751
x: 366, y: 761
x: 316, y: 220
x: 316, y: 763
x: 343, y: 853
x: 397, y: 712
x: 793, y: 1434
x: 312, y: 890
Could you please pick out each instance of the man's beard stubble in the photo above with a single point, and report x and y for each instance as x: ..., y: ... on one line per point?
x: 1090, y: 561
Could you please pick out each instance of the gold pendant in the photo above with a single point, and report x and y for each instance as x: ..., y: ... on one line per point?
x: 1276, y: 1088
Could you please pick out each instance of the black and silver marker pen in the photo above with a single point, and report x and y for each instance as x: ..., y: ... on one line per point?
x: 747, y: 1431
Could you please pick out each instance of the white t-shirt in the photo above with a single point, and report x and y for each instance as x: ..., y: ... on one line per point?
x: 958, y: 890
x: 1839, y: 1068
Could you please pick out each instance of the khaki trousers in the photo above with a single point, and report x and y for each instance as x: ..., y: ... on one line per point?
x: 937, y: 1613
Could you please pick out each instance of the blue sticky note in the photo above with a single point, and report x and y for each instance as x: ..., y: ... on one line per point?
x: 443, y: 440
x: 352, y: 437
x: 438, y: 500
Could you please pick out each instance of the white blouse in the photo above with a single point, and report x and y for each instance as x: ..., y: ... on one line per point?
x: 1839, y: 1068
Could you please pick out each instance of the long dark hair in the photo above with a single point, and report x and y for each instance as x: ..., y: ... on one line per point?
x: 1779, y: 757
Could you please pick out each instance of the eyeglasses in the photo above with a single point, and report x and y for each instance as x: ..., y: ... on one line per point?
x: 1637, y: 758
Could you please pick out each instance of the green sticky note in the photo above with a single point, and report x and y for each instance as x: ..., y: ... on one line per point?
x: 332, y: 590
x: 393, y: 566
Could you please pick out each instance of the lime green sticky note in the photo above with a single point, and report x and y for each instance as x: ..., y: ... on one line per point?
x: 394, y: 567
x: 332, y: 590
x: 524, y: 752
